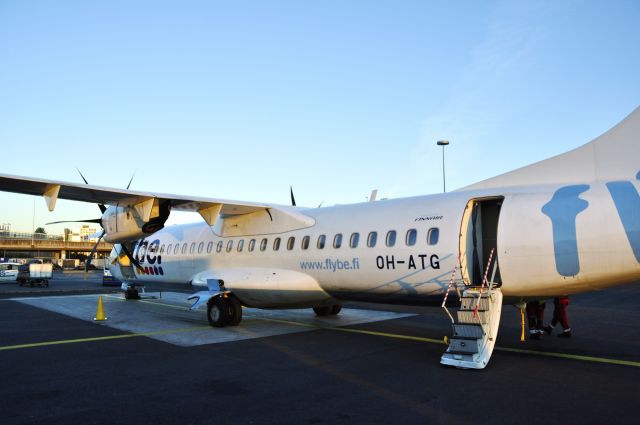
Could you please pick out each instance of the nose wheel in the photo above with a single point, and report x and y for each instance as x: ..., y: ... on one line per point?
x: 327, y: 310
x: 131, y: 294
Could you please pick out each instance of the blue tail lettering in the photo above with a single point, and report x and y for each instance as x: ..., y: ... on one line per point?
x: 625, y: 197
x: 562, y: 209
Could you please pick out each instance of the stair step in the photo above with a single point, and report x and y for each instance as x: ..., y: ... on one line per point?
x: 467, y: 330
x: 467, y: 316
x: 469, y: 303
x: 466, y: 346
x: 458, y: 356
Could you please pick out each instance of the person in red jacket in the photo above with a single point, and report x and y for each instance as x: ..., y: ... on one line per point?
x: 560, y: 316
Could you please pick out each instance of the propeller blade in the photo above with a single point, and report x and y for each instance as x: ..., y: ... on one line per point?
x: 93, y: 252
x: 133, y: 260
x: 293, y: 200
x: 93, y: 220
x: 129, y: 185
x: 101, y: 206
x: 80, y: 172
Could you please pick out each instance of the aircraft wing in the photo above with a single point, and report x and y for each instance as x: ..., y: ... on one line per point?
x: 52, y: 190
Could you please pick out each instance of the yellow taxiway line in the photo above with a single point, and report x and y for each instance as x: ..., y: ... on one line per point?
x: 101, y: 338
x: 439, y: 341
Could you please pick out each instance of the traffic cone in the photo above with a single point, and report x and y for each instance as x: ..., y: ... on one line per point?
x: 100, y: 311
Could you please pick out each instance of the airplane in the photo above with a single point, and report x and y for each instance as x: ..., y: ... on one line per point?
x: 564, y: 225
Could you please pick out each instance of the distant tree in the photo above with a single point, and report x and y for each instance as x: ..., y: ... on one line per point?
x: 40, y: 230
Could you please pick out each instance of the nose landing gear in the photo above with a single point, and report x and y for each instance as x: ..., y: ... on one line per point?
x: 328, y: 310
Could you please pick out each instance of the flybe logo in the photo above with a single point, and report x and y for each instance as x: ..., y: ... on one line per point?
x: 566, y: 204
x: 146, y: 252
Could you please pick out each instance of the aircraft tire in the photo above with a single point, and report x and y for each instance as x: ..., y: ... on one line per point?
x: 324, y: 310
x: 218, y: 312
x: 335, y: 309
x: 235, y: 311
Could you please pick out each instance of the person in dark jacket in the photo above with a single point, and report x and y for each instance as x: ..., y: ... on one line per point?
x: 535, y: 316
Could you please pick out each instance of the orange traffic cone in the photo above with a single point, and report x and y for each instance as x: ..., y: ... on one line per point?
x: 100, y: 311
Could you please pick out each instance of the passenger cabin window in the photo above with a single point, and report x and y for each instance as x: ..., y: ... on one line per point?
x: 252, y: 245
x: 240, y: 245
x: 412, y: 235
x: 162, y: 249
x: 176, y: 249
x: 184, y: 248
x: 263, y: 244
x: 372, y: 239
x: 322, y: 239
x: 219, y: 247
x: 391, y: 238
x: 433, y: 235
x: 276, y: 244
x: 337, y: 240
x: 169, y: 248
x: 230, y: 245
x: 209, y: 247
x: 353, y: 241
x: 192, y: 248
x: 290, y: 243
x: 200, y: 247
x: 305, y: 242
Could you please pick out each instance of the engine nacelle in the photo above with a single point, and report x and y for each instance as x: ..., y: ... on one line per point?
x: 129, y: 223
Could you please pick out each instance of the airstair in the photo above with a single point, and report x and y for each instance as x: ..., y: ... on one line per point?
x: 475, y: 326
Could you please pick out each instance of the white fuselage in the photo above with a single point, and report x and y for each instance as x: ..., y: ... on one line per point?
x: 544, y: 247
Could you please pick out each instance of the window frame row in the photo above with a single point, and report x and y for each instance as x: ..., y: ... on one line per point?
x: 193, y: 248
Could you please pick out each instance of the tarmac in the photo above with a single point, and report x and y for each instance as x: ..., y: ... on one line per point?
x: 154, y: 361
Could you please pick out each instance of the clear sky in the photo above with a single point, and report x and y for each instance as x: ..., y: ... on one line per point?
x: 241, y: 99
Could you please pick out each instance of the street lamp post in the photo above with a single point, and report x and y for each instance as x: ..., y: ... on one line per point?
x: 443, y: 143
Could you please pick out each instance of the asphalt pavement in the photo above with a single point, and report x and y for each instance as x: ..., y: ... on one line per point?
x: 60, y: 369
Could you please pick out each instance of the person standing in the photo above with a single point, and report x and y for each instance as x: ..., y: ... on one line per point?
x: 535, y: 316
x: 560, y: 316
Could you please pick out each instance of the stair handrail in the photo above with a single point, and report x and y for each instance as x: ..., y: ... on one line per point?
x: 446, y: 294
x: 493, y: 275
x: 484, y: 280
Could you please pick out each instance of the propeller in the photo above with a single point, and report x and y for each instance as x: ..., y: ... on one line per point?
x: 103, y: 208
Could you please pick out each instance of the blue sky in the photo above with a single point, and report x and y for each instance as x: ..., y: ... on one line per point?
x: 241, y: 99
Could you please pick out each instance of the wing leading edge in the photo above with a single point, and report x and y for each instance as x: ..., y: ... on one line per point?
x: 52, y: 190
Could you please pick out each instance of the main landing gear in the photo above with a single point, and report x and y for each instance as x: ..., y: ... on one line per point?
x: 328, y: 310
x: 224, y: 310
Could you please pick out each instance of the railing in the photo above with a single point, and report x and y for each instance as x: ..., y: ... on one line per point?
x: 39, y: 244
x: 25, y: 235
